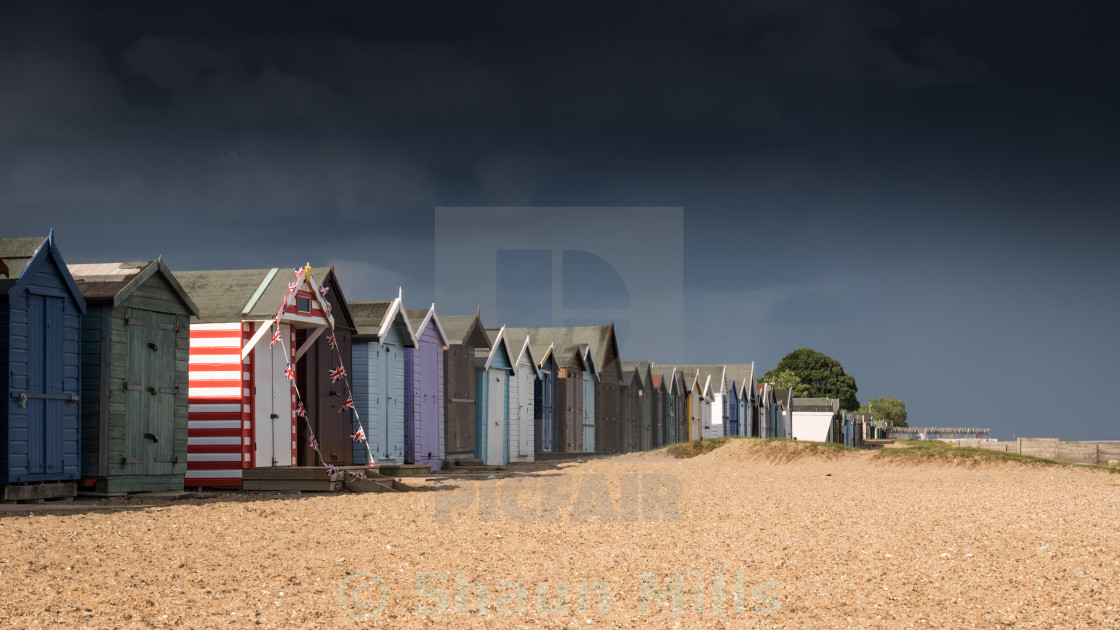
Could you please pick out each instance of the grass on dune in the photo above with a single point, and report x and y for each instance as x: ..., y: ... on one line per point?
x: 917, y: 451
x: 684, y: 450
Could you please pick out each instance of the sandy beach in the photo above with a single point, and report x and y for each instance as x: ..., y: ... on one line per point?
x: 760, y: 536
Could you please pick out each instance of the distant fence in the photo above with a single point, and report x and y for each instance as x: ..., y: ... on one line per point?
x: 940, y: 433
x: 1051, y: 448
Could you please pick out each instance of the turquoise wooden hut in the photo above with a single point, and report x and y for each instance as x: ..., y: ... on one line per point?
x: 135, y: 345
x: 494, y: 369
x: 383, y: 334
x: 40, y: 353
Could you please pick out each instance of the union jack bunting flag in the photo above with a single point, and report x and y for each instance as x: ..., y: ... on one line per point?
x: 275, y: 337
x: 356, y: 475
x: 291, y: 287
x: 331, y: 341
x: 359, y: 435
x: 290, y: 373
x: 327, y: 306
x: 323, y: 291
x: 338, y: 373
x: 298, y: 270
x: 301, y: 412
x: 314, y: 443
x: 349, y: 404
x: 330, y: 468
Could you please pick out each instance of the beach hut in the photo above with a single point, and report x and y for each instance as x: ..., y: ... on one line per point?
x: 628, y: 409
x: 643, y: 405
x: 814, y: 419
x: 383, y: 336
x: 572, y: 410
x: 522, y: 394
x: 767, y: 410
x: 242, y: 403
x: 424, y: 402
x: 659, y: 407
x: 40, y: 353
x: 783, y: 417
x: 465, y: 335
x: 135, y: 345
x: 735, y: 375
x: 593, y: 408
x: 494, y: 369
x: 325, y: 396
x: 546, y: 430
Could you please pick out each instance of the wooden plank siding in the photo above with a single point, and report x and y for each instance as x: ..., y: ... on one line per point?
x: 40, y: 437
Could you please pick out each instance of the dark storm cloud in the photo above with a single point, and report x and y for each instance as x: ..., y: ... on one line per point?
x: 944, y: 169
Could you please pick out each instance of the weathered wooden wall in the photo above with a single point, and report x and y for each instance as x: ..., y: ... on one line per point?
x: 1051, y: 448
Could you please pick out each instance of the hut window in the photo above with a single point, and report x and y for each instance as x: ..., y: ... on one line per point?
x: 303, y: 304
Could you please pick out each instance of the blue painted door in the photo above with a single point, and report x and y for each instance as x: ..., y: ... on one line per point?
x: 45, y: 386
x: 588, y: 413
x: 387, y: 373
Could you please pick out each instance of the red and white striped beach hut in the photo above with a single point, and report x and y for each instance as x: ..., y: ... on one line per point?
x: 242, y: 404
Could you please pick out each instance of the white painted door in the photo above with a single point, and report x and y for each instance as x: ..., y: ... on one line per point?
x: 496, y: 417
x: 273, y: 425
x: 525, y: 413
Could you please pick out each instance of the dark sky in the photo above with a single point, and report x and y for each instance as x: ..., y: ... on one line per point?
x: 925, y: 191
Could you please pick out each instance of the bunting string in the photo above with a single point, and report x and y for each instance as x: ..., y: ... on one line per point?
x: 336, y: 375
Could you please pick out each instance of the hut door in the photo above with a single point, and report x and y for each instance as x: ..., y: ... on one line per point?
x: 547, y: 401
x: 495, y: 415
x: 45, y: 384
x: 429, y: 413
x: 588, y: 413
x: 388, y: 358
x: 525, y: 418
x: 272, y: 407
x: 150, y: 393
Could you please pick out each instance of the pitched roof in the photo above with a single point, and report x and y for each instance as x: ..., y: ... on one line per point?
x: 113, y: 282
x: 224, y: 295
x: 17, y: 253
x: 369, y: 315
x: 458, y: 327
x: 421, y: 318
x: 656, y: 381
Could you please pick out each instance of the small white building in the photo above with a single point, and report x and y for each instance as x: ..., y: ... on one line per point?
x: 813, y: 418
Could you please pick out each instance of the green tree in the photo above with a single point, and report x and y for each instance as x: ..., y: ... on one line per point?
x: 788, y: 379
x: 893, y: 410
x: 821, y: 376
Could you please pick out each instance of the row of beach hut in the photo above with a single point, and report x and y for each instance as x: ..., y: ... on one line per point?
x: 126, y: 377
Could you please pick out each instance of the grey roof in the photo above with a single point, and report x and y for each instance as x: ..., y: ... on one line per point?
x: 369, y: 315
x: 566, y: 340
x: 222, y: 295
x: 15, y: 253
x: 643, y: 368
x: 457, y: 326
x: 816, y: 404
x: 628, y: 378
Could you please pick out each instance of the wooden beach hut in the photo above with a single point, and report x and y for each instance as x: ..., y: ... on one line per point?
x: 135, y: 345
x: 659, y: 399
x: 383, y: 336
x: 40, y: 353
x: 424, y: 397
x: 546, y: 431
x: 573, y: 409
x: 465, y: 335
x: 643, y: 405
x: 738, y: 399
x: 494, y: 369
x: 242, y: 404
x: 522, y: 394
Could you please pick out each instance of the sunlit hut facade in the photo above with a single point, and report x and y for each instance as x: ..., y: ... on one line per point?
x: 465, y: 336
x: 522, y: 402
x: 242, y: 411
x: 424, y: 396
x: 384, y: 334
x: 135, y: 346
x: 494, y: 370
